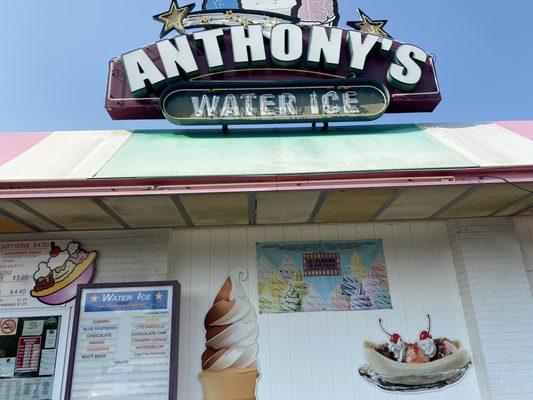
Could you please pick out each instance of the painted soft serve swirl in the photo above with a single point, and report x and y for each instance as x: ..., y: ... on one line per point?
x: 231, y: 328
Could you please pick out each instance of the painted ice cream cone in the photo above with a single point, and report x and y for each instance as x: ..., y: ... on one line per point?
x: 229, y: 363
x: 230, y: 384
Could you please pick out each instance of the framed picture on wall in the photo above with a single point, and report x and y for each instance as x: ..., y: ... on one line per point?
x: 125, y: 341
x: 343, y: 275
x: 33, y: 345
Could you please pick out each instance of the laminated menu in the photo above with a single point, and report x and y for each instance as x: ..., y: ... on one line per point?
x: 124, y: 342
x: 27, y: 368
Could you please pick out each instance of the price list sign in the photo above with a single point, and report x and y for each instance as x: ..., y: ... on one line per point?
x: 125, y: 341
x: 18, y: 264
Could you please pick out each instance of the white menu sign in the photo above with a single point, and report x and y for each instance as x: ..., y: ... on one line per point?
x: 18, y: 263
x: 123, y: 345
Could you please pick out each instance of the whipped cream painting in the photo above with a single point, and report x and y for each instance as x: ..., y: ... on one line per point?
x: 229, y: 362
x: 322, y: 276
x: 423, y: 364
x: 58, y: 275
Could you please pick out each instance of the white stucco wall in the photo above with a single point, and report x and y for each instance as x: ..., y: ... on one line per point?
x: 498, y: 305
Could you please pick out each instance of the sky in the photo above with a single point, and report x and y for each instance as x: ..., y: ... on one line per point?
x: 56, y: 52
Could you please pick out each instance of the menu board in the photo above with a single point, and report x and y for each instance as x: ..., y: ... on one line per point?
x: 19, y: 262
x: 28, y: 352
x: 124, y: 342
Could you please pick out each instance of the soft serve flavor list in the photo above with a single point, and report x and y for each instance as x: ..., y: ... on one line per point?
x: 123, y: 343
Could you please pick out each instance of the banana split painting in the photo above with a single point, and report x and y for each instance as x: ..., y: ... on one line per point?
x: 413, y: 366
x: 309, y: 12
x: 322, y: 276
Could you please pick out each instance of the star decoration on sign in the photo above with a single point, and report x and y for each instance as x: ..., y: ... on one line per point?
x: 94, y: 298
x: 158, y: 296
x: 229, y: 15
x: 367, y: 25
x: 173, y: 18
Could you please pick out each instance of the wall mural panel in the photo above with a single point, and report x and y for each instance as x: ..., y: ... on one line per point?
x: 322, y: 276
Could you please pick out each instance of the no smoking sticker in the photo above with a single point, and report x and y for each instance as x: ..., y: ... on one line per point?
x: 8, y: 326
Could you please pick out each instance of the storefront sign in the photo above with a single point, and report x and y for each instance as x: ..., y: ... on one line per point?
x: 212, y: 103
x: 42, y: 272
x: 124, y: 341
x: 240, y: 47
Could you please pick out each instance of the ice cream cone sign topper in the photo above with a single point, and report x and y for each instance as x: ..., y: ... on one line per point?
x: 229, y: 362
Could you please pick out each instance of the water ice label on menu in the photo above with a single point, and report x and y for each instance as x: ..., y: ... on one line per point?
x: 126, y: 301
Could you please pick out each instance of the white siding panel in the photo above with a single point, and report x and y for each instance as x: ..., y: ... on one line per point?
x: 316, y: 355
x: 524, y: 231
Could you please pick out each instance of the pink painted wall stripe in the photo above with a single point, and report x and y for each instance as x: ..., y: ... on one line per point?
x: 14, y: 144
x: 522, y: 128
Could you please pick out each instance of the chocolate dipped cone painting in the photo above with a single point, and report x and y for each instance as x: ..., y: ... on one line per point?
x: 229, y: 362
x: 425, y: 364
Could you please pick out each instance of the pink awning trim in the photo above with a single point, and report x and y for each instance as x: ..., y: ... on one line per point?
x: 522, y: 128
x: 14, y: 144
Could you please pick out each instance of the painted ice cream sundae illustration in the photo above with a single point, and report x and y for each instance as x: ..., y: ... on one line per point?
x: 423, y: 365
x: 275, y: 6
x: 57, y: 278
x: 318, y: 12
x: 229, y: 362
x: 310, y: 12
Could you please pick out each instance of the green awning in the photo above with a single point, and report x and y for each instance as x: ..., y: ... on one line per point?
x: 279, y: 151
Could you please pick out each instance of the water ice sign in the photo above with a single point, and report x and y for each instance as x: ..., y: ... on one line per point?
x: 124, y: 341
x: 247, y: 46
x: 341, y: 100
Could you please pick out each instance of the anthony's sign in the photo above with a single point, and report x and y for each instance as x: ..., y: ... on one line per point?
x: 247, y: 73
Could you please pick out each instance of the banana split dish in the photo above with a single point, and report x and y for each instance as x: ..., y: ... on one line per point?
x: 426, y: 364
x: 57, y: 278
